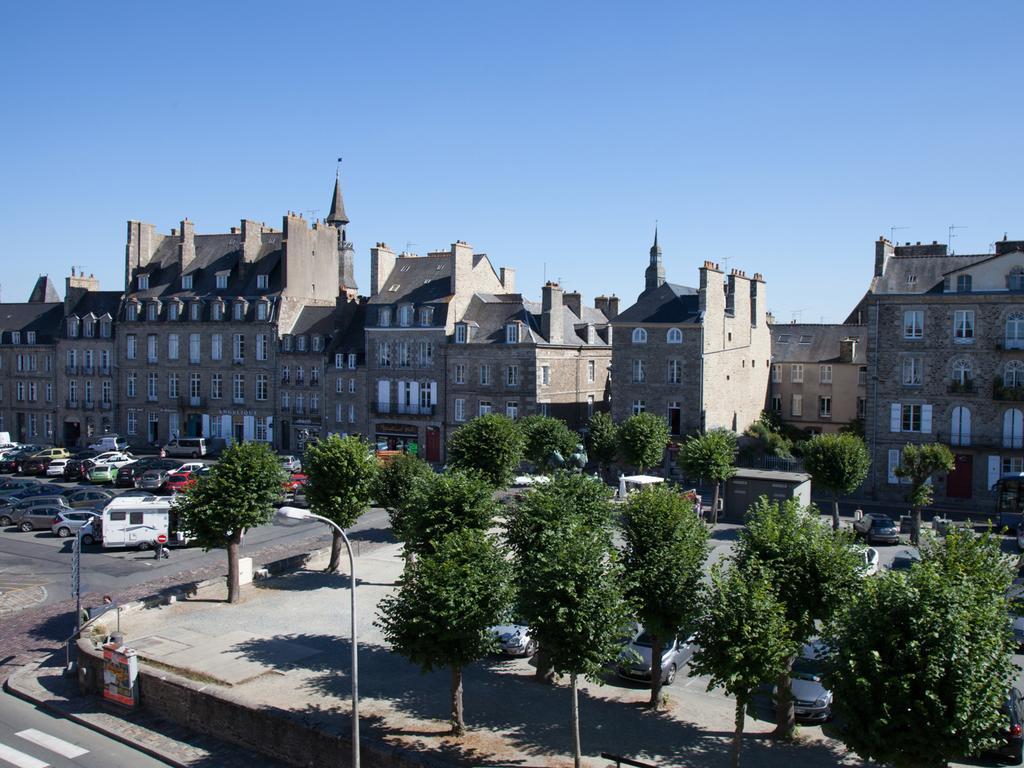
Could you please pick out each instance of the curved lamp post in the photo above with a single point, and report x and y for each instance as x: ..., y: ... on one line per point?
x: 296, y: 513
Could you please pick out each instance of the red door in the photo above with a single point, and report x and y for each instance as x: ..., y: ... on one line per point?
x: 433, y: 444
x: 960, y: 480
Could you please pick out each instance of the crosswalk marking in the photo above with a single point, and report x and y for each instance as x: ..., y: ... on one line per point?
x: 52, y: 743
x: 20, y: 759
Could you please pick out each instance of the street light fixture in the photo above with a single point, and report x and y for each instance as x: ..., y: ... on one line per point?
x: 297, y: 513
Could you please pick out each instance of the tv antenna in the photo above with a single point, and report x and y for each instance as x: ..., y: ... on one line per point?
x: 952, y: 235
x: 892, y: 233
x: 408, y: 246
x: 798, y: 314
x: 312, y: 213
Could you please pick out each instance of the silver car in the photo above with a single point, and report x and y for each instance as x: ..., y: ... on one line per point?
x: 40, y: 516
x: 16, y: 512
x: 812, y: 701
x: 514, y: 639
x: 67, y: 523
x: 634, y: 662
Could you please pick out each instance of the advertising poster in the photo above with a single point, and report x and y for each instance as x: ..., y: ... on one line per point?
x: 120, y: 671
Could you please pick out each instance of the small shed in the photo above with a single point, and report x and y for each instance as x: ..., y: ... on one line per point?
x: 748, y: 485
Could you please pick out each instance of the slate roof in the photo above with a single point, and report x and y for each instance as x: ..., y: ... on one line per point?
x: 314, y: 321
x: 99, y: 303
x: 45, y: 318
x: 349, y: 330
x: 668, y: 303
x: 337, y: 214
x: 417, y: 280
x: 820, y: 342
x: 920, y: 274
x: 490, y: 313
x: 44, y: 291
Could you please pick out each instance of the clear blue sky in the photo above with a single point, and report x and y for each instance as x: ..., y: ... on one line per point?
x: 782, y: 137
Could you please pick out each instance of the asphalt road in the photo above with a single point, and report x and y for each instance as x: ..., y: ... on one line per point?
x: 30, y: 738
x: 35, y: 568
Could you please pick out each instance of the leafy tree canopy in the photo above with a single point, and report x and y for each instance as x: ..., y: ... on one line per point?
x: 838, y: 462
x: 642, y: 440
x: 602, y: 438
x: 441, y: 504
x: 710, y: 456
x: 491, y: 444
x: 544, y: 436
x: 396, y: 480
x: 546, y: 505
x: 341, y: 473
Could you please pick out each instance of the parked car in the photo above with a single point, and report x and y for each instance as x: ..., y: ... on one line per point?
x: 295, y: 481
x: 180, y: 481
x: 91, y: 531
x: 12, y: 484
x: 102, y: 473
x: 77, y: 470
x: 37, y: 513
x: 154, y: 480
x: 110, y: 443
x: 877, y: 529
x: 290, y: 463
x: 67, y: 523
x: 812, y: 701
x: 112, y: 457
x: 14, y: 460
x: 904, y: 560
x: 634, y: 662
x: 870, y: 556
x: 129, y: 474
x: 87, y: 498
x: 56, y: 468
x: 194, y: 447
x: 52, y: 453
x: 29, y: 492
x: 514, y: 638
x: 1010, y: 746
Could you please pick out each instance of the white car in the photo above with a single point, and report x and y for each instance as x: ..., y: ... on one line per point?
x: 514, y: 639
x: 188, y: 466
x: 56, y: 468
x: 113, y: 459
x: 870, y: 555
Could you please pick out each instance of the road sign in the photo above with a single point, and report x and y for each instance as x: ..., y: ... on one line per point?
x: 161, y: 538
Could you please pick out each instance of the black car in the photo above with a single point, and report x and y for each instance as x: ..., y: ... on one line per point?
x: 14, y: 461
x: 128, y: 475
x: 1010, y: 742
x: 77, y: 469
x: 35, y: 466
x: 877, y: 528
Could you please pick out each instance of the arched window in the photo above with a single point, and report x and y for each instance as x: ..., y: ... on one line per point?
x: 1015, y: 280
x: 1013, y: 374
x: 674, y: 336
x: 1013, y: 429
x: 1015, y: 330
x: 639, y: 336
x: 960, y: 426
x: 963, y: 373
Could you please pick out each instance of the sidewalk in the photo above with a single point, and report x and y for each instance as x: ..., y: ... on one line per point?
x: 283, y: 653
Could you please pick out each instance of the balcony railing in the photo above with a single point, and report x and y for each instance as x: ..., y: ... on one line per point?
x: 962, y: 387
x: 72, y: 403
x: 299, y: 381
x: 1002, y: 392
x: 383, y: 409
x: 106, y: 405
x: 71, y: 370
x: 88, y: 405
x: 104, y: 370
x: 87, y: 370
x: 151, y: 398
x: 196, y: 401
x: 1007, y: 343
x: 415, y: 409
x: 238, y: 400
x: 152, y: 360
x: 314, y: 411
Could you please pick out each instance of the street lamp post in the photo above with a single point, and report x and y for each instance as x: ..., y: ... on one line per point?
x: 296, y: 513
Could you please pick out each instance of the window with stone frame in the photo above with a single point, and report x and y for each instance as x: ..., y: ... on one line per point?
x: 512, y: 376
x: 1014, y: 332
x: 825, y: 374
x: 674, y: 336
x: 639, y: 373
x: 460, y: 373
x: 591, y: 371
x: 1013, y: 374
x: 963, y: 326
x: 639, y: 336
x: 796, y: 373
x: 675, y: 372
x: 910, y: 420
x: 963, y: 374
x: 639, y: 406
x: 1015, y: 279
x: 963, y: 283
x: 913, y: 324
x: 913, y: 371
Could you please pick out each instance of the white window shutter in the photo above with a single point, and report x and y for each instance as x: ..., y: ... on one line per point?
x: 895, y: 417
x: 994, y: 470
x: 270, y: 429
x: 894, y: 461
x: 248, y: 428
x: 225, y: 429
x: 433, y: 393
x: 383, y: 391
x: 206, y: 425
x: 414, y: 393
x: 965, y: 426
x: 926, y: 419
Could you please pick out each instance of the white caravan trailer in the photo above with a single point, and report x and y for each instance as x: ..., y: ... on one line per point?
x: 140, y: 522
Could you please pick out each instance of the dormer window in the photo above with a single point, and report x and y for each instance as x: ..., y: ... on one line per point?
x: 461, y: 333
x: 286, y: 343
x: 73, y: 325
x: 222, y: 281
x: 639, y: 336
x: 195, y: 311
x: 963, y: 283
x: 300, y: 343
x: 1015, y: 280
x: 173, y: 310
x: 143, y: 282
x: 426, y: 316
x: 152, y: 310
x: 89, y: 327
x: 384, y: 317
x: 261, y: 310
x: 512, y: 333
x: 239, y: 310
x: 105, y: 328
x: 217, y: 311
x: 30, y: 337
x: 262, y: 282
x: 318, y: 343
x: 186, y: 282
x: 15, y: 337
x: 405, y: 315
x: 132, y: 311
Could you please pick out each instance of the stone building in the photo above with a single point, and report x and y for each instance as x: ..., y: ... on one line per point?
x: 346, y: 396
x: 86, y: 362
x: 819, y: 375
x: 699, y: 357
x: 300, y: 363
x: 28, y: 369
x: 946, y: 364
x: 202, y: 317
x: 448, y: 338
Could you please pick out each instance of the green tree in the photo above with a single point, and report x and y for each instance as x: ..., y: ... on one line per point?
x: 920, y: 661
x: 396, y: 480
x: 341, y: 474
x: 441, y: 504
x: 743, y: 637
x: 237, y: 493
x: 838, y: 462
x: 570, y: 592
x: 602, y: 440
x: 664, y: 554
x: 544, y: 436
x: 813, y: 570
x: 642, y: 440
x: 918, y: 463
x: 710, y: 456
x: 491, y: 444
x: 446, y: 601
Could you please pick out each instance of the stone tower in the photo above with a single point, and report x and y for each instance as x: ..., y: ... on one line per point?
x: 654, y: 275
x: 346, y: 254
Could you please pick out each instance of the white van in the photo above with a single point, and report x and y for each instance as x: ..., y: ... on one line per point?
x: 138, y: 521
x: 109, y: 443
x: 193, y: 447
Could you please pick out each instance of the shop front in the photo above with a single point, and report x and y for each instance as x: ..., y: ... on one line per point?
x: 397, y: 438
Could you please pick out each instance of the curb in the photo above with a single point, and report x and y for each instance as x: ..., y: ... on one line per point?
x: 54, y: 709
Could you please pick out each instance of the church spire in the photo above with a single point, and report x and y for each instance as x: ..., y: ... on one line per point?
x: 654, y: 276
x: 337, y: 216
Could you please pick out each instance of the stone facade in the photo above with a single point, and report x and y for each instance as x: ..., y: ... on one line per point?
x: 819, y: 375
x: 946, y: 364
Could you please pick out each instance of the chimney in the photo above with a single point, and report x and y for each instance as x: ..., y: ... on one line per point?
x: 613, y: 307
x: 883, y: 252
x: 551, y: 320
x: 76, y: 286
x: 508, y: 279
x: 382, y: 261
x: 711, y: 294
x: 141, y: 245
x: 847, y: 350
x: 187, y: 244
x: 252, y: 240
x: 462, y: 267
x: 574, y: 301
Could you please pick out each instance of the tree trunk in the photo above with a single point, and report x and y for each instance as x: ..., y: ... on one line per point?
x: 915, y: 527
x: 737, y: 734
x: 335, y: 561
x: 233, y: 588
x: 835, y: 511
x: 458, y: 723
x: 656, y: 646
x: 785, y: 715
x: 576, y: 756
x: 545, y: 673
x: 714, y: 506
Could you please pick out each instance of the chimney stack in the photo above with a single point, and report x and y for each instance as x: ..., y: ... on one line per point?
x: 847, y: 350
x: 552, y: 322
x: 507, y: 276
x: 574, y: 301
x: 186, y: 244
x: 382, y: 261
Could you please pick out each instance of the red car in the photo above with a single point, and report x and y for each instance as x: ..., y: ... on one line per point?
x: 296, y: 482
x: 179, y: 482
